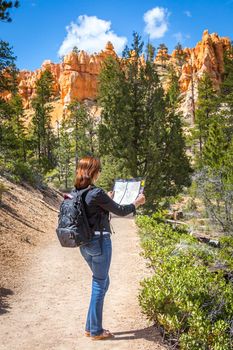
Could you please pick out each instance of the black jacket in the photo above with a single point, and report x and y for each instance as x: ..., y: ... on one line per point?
x: 98, y: 205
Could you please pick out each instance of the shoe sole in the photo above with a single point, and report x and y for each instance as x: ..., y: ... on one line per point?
x: 102, y: 338
x: 99, y: 337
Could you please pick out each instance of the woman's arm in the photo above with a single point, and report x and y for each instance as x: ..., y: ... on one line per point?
x: 104, y: 201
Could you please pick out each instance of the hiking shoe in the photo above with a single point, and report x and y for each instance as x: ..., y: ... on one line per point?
x: 106, y: 334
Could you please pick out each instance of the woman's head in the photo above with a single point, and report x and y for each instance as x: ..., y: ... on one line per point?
x: 87, y: 171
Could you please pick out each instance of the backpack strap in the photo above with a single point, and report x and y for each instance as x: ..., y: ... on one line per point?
x: 80, y: 194
x: 82, y: 191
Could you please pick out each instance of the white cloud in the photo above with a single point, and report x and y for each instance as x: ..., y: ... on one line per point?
x: 179, y: 37
x: 188, y: 13
x: 156, y: 21
x: 91, y: 34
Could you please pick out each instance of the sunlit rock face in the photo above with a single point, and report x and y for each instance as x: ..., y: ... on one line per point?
x: 207, y: 57
x: 76, y: 77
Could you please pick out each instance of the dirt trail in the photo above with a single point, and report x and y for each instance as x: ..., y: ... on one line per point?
x: 50, y: 310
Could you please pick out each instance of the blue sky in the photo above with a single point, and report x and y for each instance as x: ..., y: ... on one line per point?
x: 44, y: 29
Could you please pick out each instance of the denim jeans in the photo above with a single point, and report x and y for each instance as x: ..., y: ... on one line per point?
x: 99, y: 265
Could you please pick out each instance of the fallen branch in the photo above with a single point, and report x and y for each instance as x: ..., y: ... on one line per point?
x: 48, y: 206
x: 176, y: 222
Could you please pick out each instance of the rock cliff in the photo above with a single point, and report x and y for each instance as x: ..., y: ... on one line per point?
x: 207, y: 56
x: 77, y: 75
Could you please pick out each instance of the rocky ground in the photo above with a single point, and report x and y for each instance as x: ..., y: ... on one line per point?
x: 25, y: 217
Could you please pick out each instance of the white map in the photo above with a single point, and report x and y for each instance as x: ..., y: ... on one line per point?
x: 126, y: 191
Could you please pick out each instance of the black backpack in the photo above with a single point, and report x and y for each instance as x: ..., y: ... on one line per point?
x: 73, y: 228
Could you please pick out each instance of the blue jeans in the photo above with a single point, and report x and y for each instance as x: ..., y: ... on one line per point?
x: 99, y: 265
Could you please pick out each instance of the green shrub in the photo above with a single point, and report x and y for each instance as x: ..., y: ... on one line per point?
x: 191, y: 204
x: 19, y: 171
x: 3, y: 189
x: 24, y: 172
x: 226, y: 251
x: 192, y: 305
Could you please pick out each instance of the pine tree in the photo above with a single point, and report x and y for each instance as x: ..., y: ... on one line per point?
x: 150, y: 52
x: 8, y: 141
x: 113, y: 99
x: 214, y: 130
x: 216, y: 145
x: 65, y: 156
x: 173, y: 92
x: 206, y: 109
x: 75, y: 50
x: 42, y: 134
x: 226, y: 93
x: 180, y: 55
x: 8, y: 70
x: 135, y: 126
x: 162, y: 48
x: 18, y: 126
x: 192, y: 97
x: 81, y: 125
x: 8, y: 74
x: 228, y: 165
x: 179, y: 47
x: 5, y: 6
x: 176, y: 161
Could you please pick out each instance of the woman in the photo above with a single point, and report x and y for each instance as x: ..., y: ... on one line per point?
x: 98, y: 252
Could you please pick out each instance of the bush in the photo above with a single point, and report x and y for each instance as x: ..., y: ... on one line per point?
x: 216, y: 192
x: 192, y: 305
x: 19, y: 171
x: 3, y: 189
x: 191, y: 204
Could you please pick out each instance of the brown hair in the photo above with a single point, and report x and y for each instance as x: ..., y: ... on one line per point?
x: 88, y: 167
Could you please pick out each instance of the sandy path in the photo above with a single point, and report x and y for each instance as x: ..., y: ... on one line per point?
x: 49, y: 312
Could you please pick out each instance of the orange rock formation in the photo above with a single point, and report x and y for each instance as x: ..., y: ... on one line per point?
x: 207, y: 56
x: 77, y: 76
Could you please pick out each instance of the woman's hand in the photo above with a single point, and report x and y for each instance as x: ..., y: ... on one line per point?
x: 111, y: 194
x: 140, y: 200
